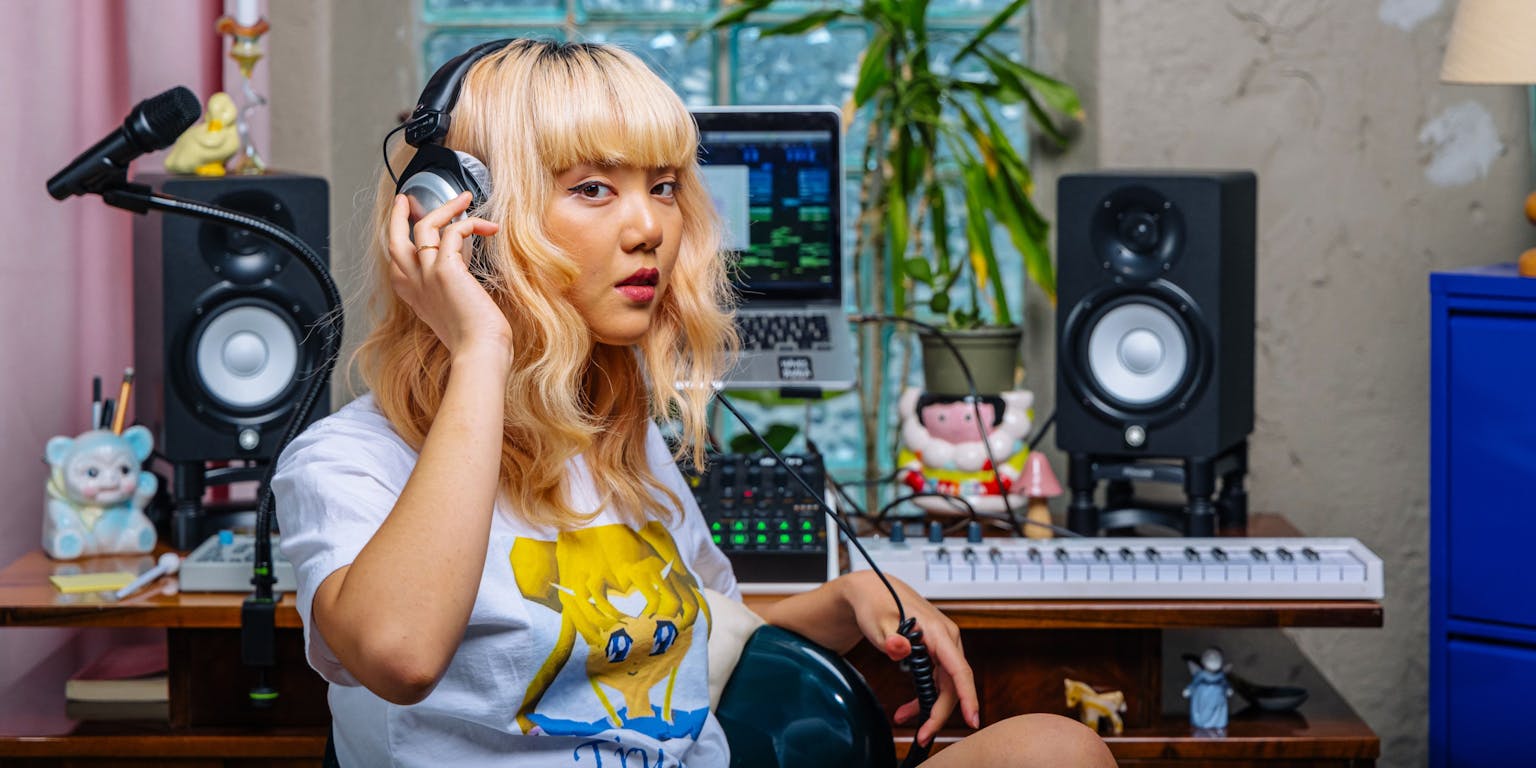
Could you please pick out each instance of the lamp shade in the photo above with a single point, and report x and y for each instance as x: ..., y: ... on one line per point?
x: 1492, y: 41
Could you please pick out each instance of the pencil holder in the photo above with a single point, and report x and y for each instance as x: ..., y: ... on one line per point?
x: 96, y: 494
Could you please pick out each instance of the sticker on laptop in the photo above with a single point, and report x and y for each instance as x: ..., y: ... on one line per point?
x: 795, y: 368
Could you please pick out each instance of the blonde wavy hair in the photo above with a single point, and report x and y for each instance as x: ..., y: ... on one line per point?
x: 529, y: 112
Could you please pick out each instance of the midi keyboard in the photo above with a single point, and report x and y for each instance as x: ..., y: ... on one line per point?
x: 1131, y: 568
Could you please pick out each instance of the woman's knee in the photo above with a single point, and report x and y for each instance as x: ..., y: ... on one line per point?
x: 1055, y: 740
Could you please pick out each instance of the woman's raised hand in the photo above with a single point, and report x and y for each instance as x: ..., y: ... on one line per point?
x: 876, y: 615
x: 430, y: 272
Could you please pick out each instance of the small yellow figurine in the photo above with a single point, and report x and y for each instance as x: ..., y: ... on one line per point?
x: 205, y: 146
x: 1096, y: 705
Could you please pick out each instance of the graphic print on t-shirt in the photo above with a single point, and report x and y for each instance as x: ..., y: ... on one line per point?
x: 630, y: 598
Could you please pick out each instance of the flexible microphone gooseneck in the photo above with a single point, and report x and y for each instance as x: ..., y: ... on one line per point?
x: 258, y: 613
x: 919, y: 662
x: 103, y: 169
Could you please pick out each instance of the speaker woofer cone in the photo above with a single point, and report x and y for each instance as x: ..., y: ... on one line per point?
x: 1135, y: 355
x: 246, y: 355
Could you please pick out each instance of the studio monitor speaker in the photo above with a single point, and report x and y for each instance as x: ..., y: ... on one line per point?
x: 222, y: 350
x: 1155, y: 313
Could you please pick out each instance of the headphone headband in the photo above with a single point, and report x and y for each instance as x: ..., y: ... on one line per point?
x: 429, y: 122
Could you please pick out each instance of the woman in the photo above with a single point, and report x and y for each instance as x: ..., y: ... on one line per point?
x: 498, y: 561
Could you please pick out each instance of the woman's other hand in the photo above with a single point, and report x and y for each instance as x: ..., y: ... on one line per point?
x: 429, y: 270
x: 877, y: 619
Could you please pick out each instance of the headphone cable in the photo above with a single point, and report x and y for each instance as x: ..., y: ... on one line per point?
x: 919, y: 662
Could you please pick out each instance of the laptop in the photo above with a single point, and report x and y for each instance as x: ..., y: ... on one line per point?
x: 776, y: 177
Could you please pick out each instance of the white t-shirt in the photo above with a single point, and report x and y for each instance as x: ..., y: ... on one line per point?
x: 584, y: 647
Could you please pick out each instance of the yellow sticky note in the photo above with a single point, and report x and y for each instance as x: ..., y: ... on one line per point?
x: 92, y: 582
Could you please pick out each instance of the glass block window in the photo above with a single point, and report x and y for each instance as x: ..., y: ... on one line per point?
x: 740, y: 66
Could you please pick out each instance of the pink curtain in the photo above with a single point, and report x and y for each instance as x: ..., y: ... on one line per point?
x: 69, y: 72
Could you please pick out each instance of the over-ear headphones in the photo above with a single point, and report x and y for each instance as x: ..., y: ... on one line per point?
x: 438, y: 174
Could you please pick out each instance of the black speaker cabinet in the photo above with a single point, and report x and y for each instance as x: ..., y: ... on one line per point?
x: 222, y: 350
x: 1155, y: 319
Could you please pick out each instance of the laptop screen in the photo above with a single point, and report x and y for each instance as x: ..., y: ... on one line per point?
x: 775, y: 176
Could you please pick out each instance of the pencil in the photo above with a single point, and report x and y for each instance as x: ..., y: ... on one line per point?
x: 95, y: 402
x: 122, y: 402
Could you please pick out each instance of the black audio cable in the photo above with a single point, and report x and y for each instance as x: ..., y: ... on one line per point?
x: 975, y: 396
x: 919, y: 663
x: 258, y: 613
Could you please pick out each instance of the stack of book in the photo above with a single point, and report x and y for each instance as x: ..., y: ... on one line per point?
x: 127, y: 682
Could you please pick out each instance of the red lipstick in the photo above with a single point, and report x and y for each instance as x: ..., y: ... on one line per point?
x: 643, y: 276
x: 640, y: 287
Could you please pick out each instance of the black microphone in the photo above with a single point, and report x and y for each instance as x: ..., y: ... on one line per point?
x: 153, y: 124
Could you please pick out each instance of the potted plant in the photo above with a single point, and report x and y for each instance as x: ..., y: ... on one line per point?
x: 935, y: 146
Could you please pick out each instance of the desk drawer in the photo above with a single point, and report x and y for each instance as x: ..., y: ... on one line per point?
x: 1491, y: 465
x: 1488, y: 687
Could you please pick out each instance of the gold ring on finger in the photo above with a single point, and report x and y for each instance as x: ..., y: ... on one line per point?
x: 421, y: 248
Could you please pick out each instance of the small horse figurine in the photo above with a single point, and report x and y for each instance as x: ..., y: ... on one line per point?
x: 1096, y: 705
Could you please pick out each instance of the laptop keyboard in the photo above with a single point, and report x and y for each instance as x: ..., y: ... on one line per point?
x: 760, y: 332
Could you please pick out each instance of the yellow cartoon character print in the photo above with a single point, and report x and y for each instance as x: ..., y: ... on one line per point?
x: 633, y: 657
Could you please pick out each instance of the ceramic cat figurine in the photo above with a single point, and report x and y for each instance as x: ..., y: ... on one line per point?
x: 97, y: 493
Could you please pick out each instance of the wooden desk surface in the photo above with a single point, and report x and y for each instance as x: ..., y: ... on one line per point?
x: 1326, y: 733
x: 28, y: 599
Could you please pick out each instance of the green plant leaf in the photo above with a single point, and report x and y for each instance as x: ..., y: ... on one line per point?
x: 874, y: 71
x: 1028, y: 231
x: 1058, y: 95
x: 1055, y: 94
x: 916, y: 10
x: 806, y: 23
x: 938, y: 224
x: 918, y: 269
x: 1007, y: 74
x: 1006, y: 153
x: 939, y: 303
x: 733, y: 14
x: 995, y: 23
x: 978, y: 199
x: 777, y: 435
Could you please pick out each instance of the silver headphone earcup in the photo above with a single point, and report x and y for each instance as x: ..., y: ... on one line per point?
x: 478, y: 172
x: 434, y: 177
x: 426, y: 191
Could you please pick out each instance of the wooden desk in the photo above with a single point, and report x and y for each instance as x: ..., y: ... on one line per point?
x: 1105, y: 642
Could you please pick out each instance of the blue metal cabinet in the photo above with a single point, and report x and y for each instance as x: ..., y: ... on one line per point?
x: 1482, y: 516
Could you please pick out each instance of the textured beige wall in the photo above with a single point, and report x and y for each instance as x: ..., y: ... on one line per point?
x: 1371, y: 175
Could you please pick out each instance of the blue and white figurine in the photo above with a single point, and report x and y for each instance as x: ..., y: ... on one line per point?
x: 96, y: 494
x: 1208, y: 692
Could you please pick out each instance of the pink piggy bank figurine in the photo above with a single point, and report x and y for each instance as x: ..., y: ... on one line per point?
x: 944, y: 449
x: 97, y: 493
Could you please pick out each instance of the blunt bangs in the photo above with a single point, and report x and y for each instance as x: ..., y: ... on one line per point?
x: 605, y: 108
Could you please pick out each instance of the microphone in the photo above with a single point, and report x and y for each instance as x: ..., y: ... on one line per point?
x: 153, y: 124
